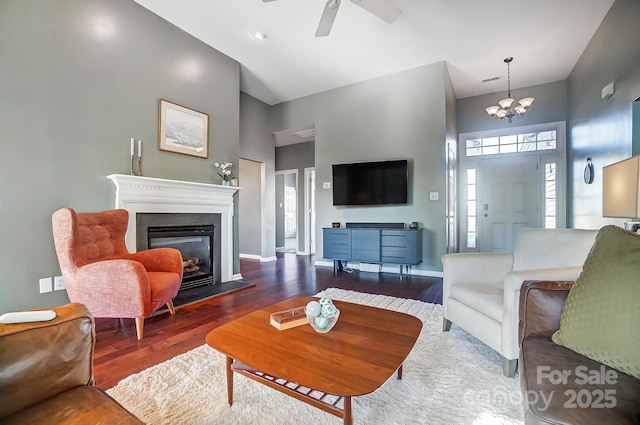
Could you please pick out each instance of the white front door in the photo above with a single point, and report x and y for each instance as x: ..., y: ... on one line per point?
x: 509, y: 179
x: 507, y: 200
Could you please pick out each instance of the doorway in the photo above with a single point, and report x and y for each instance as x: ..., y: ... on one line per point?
x: 510, y: 179
x: 287, y: 211
x: 508, y: 200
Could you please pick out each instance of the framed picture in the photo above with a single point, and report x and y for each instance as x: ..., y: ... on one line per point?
x: 183, y: 130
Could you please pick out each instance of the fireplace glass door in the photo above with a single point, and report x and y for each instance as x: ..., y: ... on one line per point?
x: 195, y: 243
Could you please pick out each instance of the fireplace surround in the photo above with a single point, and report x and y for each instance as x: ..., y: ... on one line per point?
x: 140, y: 195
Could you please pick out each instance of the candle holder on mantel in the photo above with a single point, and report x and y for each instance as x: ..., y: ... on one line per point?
x: 139, y: 165
x: 131, y: 173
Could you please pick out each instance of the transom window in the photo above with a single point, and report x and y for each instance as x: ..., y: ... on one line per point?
x: 526, y: 142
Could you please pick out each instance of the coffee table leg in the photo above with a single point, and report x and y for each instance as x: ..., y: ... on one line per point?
x: 348, y: 411
x: 229, y: 381
x: 400, y: 372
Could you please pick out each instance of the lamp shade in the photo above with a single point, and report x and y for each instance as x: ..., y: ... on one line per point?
x: 621, y: 189
x: 506, y: 102
x: 527, y: 101
x: 492, y: 110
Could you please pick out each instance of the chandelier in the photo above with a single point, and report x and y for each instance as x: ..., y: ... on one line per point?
x: 508, y: 108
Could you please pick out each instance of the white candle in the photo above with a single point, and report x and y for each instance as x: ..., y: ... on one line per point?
x: 132, y: 146
x: 139, y: 148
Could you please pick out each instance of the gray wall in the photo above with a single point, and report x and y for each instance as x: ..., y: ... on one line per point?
x: 602, y: 129
x: 298, y: 156
x: 636, y: 127
x: 78, y: 79
x: 398, y: 116
x: 250, y: 208
x: 451, y: 234
x: 550, y: 106
x: 258, y: 144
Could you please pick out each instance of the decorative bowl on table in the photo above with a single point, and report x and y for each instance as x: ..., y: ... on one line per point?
x: 322, y: 315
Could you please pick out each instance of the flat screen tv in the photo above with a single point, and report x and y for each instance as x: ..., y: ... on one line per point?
x: 370, y: 183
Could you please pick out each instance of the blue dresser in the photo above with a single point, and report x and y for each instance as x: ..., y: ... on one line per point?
x: 372, y: 245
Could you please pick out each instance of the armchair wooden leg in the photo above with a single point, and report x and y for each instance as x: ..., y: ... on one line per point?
x: 170, y: 306
x: 139, y: 326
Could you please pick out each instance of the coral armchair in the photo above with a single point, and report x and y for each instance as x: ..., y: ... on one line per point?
x: 100, y: 273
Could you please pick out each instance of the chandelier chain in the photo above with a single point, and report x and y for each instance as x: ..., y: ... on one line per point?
x: 509, y: 79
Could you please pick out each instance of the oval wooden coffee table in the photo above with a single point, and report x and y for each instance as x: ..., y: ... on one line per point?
x: 363, y: 350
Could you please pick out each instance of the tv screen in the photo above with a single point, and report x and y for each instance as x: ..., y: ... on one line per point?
x: 370, y: 183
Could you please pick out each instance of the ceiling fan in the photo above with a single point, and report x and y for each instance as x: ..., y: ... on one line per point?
x: 380, y: 8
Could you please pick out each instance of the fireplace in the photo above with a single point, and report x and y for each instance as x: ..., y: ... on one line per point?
x: 194, y: 235
x: 179, y: 203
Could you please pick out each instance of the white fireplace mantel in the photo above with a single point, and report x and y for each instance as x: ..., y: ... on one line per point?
x: 138, y: 194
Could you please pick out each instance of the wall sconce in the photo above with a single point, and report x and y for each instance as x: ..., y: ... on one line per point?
x: 588, y: 172
x: 621, y: 190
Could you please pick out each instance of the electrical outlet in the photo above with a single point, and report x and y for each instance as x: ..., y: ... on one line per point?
x: 45, y: 285
x: 433, y: 196
x: 58, y: 283
x: 326, y: 185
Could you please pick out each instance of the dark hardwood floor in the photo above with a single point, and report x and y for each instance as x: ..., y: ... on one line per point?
x: 118, y: 353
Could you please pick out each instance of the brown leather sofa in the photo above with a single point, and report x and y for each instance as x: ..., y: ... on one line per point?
x: 46, y: 373
x: 560, y: 386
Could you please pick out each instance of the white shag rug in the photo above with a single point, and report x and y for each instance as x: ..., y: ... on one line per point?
x: 449, y: 378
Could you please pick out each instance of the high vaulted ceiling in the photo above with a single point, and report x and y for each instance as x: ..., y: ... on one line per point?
x: 545, y: 37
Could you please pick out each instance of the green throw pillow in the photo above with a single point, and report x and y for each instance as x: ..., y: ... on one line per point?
x: 601, y: 318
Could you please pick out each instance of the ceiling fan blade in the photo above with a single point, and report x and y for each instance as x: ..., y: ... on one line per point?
x: 383, y: 10
x: 328, y: 16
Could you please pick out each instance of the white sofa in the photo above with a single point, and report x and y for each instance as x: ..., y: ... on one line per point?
x: 481, y: 291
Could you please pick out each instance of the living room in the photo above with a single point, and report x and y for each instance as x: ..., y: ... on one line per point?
x: 77, y: 87
x: 103, y: 93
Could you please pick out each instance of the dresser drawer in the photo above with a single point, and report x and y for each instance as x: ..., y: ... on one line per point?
x: 365, y: 245
x: 401, y: 246
x: 336, y: 243
x: 336, y: 235
x: 395, y: 238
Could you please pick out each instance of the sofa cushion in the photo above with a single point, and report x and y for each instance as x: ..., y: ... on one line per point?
x: 601, y: 316
x: 487, y: 299
x: 552, y: 380
x: 79, y: 406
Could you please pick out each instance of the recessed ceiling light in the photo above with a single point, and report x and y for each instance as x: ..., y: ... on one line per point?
x: 259, y: 35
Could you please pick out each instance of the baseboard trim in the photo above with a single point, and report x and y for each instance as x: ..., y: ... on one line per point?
x: 385, y: 269
x: 258, y: 257
x: 251, y: 256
